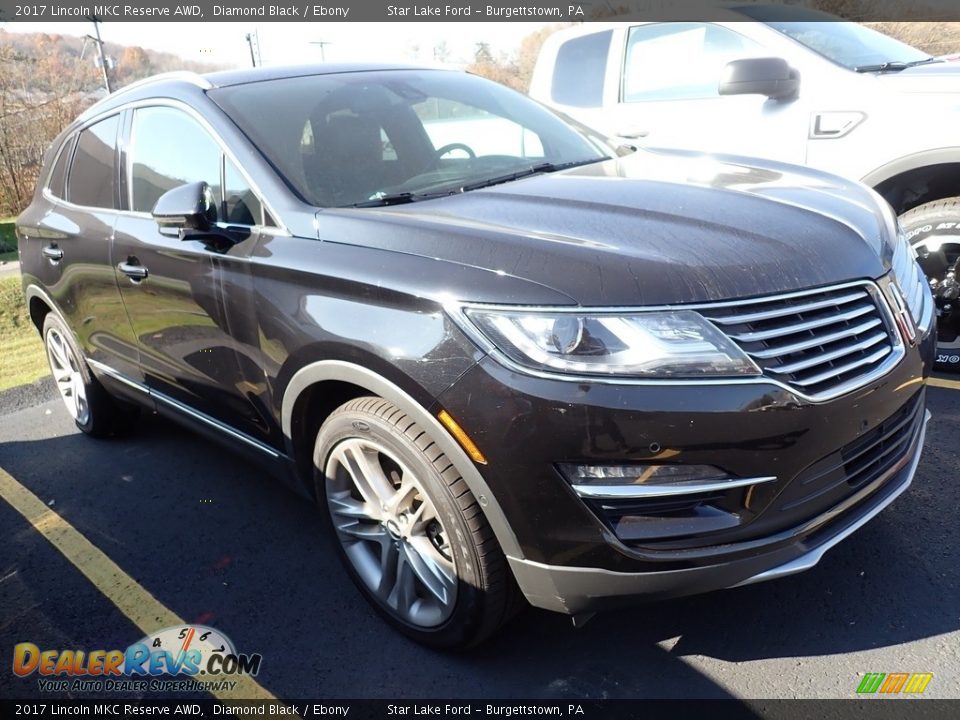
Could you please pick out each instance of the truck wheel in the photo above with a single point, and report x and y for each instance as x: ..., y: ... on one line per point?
x: 409, y: 531
x: 934, y: 231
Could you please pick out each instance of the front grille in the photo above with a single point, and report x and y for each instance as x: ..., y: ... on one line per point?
x: 816, y: 342
x: 858, y: 463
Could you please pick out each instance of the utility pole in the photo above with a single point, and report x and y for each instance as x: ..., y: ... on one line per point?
x: 253, y: 58
x: 322, y: 44
x: 103, y: 57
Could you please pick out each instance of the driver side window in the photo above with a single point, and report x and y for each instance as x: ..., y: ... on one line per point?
x: 169, y: 149
x: 448, y: 122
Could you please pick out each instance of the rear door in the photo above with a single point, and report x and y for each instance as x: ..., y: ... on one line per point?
x: 173, y: 290
x: 74, y: 239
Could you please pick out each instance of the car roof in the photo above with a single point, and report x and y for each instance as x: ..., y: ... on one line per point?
x: 185, y: 84
x: 227, y: 78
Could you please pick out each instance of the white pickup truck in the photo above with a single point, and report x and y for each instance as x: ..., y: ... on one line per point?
x: 790, y: 84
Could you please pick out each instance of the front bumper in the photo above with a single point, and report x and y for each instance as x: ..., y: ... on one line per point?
x: 568, y: 558
x: 573, y: 590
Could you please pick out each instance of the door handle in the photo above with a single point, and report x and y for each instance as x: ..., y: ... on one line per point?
x: 52, y: 253
x: 633, y: 133
x: 135, y: 271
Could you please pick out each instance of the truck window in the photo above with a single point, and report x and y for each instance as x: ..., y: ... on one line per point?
x: 579, y: 70
x: 679, y: 61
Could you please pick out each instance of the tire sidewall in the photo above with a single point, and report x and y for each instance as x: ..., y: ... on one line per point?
x: 919, y: 225
x: 90, y: 386
x: 465, y: 619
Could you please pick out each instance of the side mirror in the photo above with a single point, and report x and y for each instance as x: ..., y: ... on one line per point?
x: 188, y: 209
x: 772, y: 77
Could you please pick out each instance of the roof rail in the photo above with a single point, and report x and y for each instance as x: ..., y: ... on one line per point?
x: 185, y: 75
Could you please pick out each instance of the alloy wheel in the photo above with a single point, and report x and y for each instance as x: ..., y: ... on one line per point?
x: 390, y: 531
x: 65, y: 368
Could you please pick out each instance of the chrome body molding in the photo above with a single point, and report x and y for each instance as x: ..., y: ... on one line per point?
x: 186, y: 410
x: 624, y: 492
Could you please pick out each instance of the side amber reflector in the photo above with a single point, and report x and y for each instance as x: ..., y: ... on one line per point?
x: 460, y: 434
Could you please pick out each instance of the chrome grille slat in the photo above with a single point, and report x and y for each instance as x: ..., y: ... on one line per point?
x: 788, y: 310
x: 816, y: 341
x: 821, y: 342
x: 833, y: 355
x: 843, y: 369
x: 801, y: 327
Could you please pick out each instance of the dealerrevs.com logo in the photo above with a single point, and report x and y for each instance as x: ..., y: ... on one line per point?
x: 193, y: 653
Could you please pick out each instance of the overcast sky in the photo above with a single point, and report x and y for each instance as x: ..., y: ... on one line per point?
x: 283, y: 43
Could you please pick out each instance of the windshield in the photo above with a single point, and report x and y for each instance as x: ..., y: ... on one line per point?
x: 845, y: 43
x: 369, y: 138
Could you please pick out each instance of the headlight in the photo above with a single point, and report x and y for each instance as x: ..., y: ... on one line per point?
x: 675, y: 343
x: 913, y: 283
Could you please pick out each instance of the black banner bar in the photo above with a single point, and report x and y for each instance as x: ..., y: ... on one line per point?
x: 867, y: 709
x: 438, y: 10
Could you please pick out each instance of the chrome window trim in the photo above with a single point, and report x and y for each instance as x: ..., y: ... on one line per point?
x: 284, y: 231
x: 455, y: 309
x: 218, y: 141
x: 71, y: 142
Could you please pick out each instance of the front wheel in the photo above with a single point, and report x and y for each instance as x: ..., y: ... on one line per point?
x: 409, y: 531
x: 933, y: 230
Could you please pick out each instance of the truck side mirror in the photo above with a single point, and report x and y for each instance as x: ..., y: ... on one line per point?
x: 772, y: 77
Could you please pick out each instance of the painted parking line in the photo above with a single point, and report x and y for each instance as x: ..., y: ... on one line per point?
x: 132, y: 599
x: 944, y: 383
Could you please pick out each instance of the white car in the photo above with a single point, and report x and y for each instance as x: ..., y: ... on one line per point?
x: 789, y: 84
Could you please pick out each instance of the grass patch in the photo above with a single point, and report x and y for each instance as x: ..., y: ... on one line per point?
x: 22, y: 359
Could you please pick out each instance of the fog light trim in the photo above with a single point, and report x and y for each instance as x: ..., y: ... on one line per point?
x: 624, y: 492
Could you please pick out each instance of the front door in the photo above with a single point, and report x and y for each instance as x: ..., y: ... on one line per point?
x: 173, y: 289
x: 669, y: 95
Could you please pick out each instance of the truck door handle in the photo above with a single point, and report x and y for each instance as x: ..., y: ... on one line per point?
x: 133, y: 270
x: 52, y: 253
x: 633, y: 133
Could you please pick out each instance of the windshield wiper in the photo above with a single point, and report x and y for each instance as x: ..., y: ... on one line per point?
x: 894, y: 65
x: 547, y: 167
x: 401, y: 198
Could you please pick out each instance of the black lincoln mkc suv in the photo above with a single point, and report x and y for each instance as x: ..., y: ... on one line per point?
x: 507, y: 358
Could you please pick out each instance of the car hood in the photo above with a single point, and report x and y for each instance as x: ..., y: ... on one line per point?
x: 653, y: 228
x: 934, y: 78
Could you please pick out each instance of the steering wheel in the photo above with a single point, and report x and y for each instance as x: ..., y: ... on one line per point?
x: 456, y: 146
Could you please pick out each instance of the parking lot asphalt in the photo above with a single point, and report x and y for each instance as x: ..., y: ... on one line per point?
x: 214, y: 540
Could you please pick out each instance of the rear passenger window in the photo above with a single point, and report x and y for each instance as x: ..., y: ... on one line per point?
x: 580, y: 70
x: 59, y: 173
x: 93, y: 177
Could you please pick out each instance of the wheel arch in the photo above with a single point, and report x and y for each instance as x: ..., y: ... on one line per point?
x: 39, y: 305
x: 919, y: 178
x: 315, y: 387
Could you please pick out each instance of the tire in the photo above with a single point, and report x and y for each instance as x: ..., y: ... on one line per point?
x: 934, y: 231
x: 92, y: 408
x: 409, y: 531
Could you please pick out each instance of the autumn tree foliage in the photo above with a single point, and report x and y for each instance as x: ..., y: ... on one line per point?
x: 513, y: 69
x: 46, y: 80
